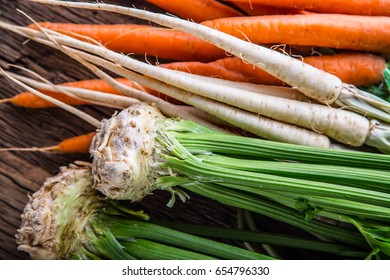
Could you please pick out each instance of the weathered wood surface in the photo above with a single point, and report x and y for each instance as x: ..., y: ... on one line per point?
x: 22, y: 173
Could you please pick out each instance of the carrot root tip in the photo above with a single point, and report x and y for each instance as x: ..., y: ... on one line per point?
x: 32, y: 149
x: 6, y: 100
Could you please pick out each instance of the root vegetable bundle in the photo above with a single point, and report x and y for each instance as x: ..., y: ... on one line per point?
x: 309, y: 111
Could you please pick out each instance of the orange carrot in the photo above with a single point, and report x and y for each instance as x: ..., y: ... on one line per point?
x: 323, y: 30
x: 142, y: 39
x: 197, y: 10
x: 30, y: 100
x: 77, y: 144
x: 353, y: 68
x: 252, y: 9
x: 360, y: 7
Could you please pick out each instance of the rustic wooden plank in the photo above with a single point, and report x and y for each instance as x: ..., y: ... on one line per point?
x: 22, y: 173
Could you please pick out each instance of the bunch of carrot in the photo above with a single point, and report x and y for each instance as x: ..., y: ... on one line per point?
x: 355, y: 58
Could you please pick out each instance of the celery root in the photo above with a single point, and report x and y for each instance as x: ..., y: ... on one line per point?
x: 139, y: 151
x: 67, y: 219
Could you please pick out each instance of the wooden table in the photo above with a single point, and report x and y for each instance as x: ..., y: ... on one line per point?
x: 22, y: 173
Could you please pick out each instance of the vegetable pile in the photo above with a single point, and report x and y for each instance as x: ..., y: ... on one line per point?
x: 317, y: 159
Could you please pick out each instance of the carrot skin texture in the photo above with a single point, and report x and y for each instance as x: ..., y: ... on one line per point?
x: 321, y: 30
x: 78, y: 144
x: 141, y: 39
x: 252, y: 9
x: 197, y: 10
x: 354, y: 68
x: 353, y: 7
x: 30, y: 100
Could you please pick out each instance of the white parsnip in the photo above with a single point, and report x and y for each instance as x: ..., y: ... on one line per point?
x: 276, y: 91
x: 344, y: 126
x: 313, y: 82
x: 254, y: 123
x: 327, y: 120
x: 168, y: 109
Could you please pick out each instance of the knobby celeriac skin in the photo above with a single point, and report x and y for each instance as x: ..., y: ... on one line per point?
x: 55, y: 219
x: 124, y: 153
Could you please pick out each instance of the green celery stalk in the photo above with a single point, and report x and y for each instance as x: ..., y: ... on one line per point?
x: 160, y: 234
x: 149, y: 250
x: 203, y: 172
x: 283, y: 240
x: 277, y: 211
x: 253, y: 148
x: 370, y: 179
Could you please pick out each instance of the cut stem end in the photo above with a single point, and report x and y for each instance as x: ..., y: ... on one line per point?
x: 379, y: 136
x: 364, y: 103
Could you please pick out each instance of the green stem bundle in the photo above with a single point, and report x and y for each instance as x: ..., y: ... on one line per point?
x: 138, y: 151
x: 68, y: 219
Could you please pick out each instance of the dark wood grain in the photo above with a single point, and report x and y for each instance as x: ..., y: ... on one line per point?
x: 22, y: 173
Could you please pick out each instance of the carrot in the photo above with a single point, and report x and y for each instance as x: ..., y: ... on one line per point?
x: 323, y: 30
x: 82, y: 115
x: 254, y: 123
x: 326, y: 119
x: 354, y: 68
x: 361, y: 7
x: 252, y: 9
x: 77, y: 144
x: 29, y: 100
x: 313, y: 82
x: 197, y: 10
x: 141, y: 39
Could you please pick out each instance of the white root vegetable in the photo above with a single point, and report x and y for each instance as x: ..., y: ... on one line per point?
x: 329, y: 121
x: 275, y: 91
x: 258, y: 125
x: 264, y: 127
x: 344, y: 126
x: 206, y: 116
x: 168, y: 109
x: 315, y: 83
x: 186, y: 112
